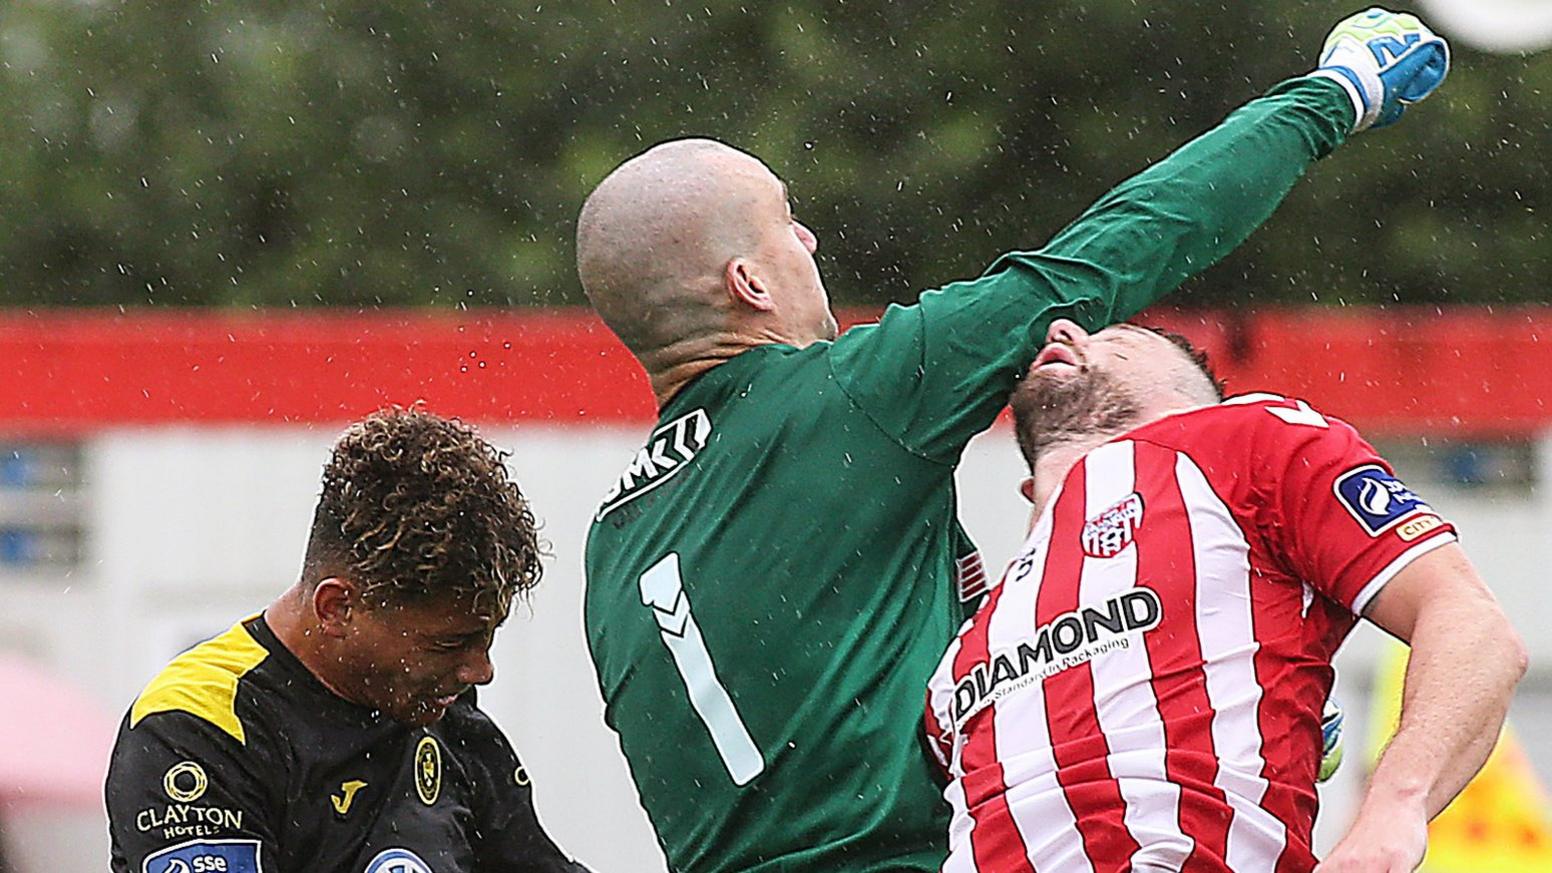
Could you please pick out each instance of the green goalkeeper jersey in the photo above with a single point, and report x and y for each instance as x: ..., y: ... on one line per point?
x: 776, y: 573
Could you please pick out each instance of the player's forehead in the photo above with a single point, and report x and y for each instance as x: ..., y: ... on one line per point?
x: 1135, y: 334
x: 449, y: 615
x: 1146, y: 344
x: 773, y: 187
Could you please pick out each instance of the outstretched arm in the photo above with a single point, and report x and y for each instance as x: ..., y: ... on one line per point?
x: 1465, y: 662
x: 1185, y: 213
x: 935, y: 374
x: 1173, y: 220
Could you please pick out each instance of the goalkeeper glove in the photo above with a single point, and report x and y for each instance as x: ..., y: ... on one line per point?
x: 1330, y: 740
x: 1385, y: 61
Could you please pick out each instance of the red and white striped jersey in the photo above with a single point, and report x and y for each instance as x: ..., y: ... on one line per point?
x: 1143, y: 689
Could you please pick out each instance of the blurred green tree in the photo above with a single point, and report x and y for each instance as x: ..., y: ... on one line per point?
x: 357, y: 153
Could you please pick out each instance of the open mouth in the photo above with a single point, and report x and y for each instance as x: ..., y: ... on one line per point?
x: 442, y: 702
x: 1057, y: 354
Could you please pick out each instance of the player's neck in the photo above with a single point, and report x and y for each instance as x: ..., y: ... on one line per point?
x: 1057, y: 460
x: 288, y: 618
x: 673, y: 367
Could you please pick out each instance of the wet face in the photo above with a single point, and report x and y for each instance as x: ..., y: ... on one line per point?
x: 412, y: 661
x: 1082, y: 383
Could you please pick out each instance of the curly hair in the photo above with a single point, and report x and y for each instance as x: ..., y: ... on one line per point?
x: 415, y: 506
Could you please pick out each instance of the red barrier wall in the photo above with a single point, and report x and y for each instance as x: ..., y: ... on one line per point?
x: 1455, y: 372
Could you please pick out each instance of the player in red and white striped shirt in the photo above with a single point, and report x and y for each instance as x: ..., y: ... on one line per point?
x: 1143, y: 690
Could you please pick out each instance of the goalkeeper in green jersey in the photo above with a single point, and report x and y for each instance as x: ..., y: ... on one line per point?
x: 777, y: 571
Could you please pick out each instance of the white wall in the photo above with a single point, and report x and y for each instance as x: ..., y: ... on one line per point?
x: 194, y: 528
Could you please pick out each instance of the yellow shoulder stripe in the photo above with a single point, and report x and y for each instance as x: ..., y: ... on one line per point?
x: 203, y: 682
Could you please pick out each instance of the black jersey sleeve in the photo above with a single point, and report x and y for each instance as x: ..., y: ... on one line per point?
x: 183, y: 795
x: 508, y: 837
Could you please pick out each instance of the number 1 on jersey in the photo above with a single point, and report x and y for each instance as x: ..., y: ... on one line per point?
x: 662, y: 591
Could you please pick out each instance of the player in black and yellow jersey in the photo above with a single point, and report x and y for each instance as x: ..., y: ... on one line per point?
x: 337, y: 731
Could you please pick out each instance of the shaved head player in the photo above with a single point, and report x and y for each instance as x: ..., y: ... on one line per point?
x: 774, y: 574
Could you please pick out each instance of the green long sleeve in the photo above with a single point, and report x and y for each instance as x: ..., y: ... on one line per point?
x: 1185, y: 213
x: 936, y: 373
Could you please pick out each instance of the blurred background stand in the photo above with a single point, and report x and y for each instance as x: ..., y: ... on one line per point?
x: 54, y: 742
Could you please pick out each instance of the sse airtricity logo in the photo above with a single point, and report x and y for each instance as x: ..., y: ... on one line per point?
x: 397, y: 861
x: 206, y: 856
x: 1377, y: 499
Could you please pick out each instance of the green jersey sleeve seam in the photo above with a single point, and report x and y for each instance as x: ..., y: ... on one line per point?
x: 868, y: 414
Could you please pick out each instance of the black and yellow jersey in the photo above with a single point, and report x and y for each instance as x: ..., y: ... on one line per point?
x: 236, y: 759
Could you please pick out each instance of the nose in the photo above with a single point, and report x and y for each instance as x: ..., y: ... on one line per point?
x: 806, y: 236
x: 1065, y: 331
x: 477, y: 669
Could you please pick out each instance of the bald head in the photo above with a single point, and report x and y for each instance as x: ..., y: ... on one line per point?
x: 693, y: 240
x: 655, y: 235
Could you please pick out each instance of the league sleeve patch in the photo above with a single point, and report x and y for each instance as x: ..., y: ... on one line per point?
x: 1377, y: 499
x: 206, y: 856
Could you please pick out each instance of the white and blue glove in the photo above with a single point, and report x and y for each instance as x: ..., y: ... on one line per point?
x: 1386, y: 61
x: 1330, y: 740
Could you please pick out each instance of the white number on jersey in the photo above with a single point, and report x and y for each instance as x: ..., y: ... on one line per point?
x: 1301, y: 414
x: 662, y: 590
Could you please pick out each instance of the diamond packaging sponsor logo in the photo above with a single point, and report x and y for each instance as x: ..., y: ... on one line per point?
x: 1066, y: 641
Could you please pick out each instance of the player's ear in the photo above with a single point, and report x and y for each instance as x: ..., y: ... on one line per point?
x: 334, y: 602
x: 745, y: 287
x: 1027, y: 488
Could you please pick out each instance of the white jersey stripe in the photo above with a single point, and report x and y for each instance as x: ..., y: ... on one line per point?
x: 962, y: 860
x: 1036, y: 802
x: 1226, y: 632
x: 940, y: 700
x: 1125, y: 704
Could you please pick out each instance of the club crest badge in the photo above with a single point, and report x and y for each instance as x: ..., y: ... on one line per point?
x: 428, y: 770
x: 1109, y: 533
